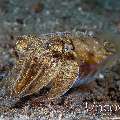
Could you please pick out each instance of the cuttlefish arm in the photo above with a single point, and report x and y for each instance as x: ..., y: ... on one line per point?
x: 64, y: 78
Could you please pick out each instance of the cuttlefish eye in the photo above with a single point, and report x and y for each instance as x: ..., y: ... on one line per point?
x: 68, y: 47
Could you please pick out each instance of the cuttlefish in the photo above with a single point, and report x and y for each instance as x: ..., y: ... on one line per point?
x: 59, y: 60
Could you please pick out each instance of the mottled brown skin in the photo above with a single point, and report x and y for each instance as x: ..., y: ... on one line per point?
x: 55, y: 59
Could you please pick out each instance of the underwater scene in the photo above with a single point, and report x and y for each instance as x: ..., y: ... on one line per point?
x: 59, y: 60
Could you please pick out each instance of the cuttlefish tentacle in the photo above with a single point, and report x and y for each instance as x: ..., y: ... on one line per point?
x: 41, y: 81
x: 16, y: 74
x: 41, y: 78
x: 27, y: 75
